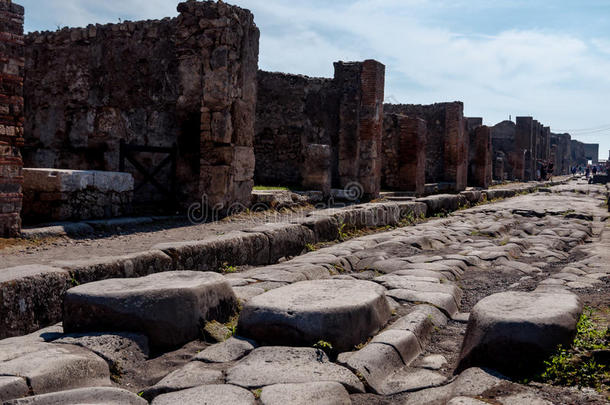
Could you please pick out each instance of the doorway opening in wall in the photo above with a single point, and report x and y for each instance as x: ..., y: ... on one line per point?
x: 154, y: 172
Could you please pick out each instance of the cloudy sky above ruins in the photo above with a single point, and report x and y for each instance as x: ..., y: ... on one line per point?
x: 549, y: 59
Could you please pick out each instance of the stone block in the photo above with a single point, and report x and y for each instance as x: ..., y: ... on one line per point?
x: 342, y: 312
x: 32, y: 298
x: 168, y: 308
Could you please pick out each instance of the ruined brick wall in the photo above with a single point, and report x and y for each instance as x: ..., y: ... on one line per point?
x: 404, y: 153
x: 577, y: 151
x: 480, y: 154
x: 360, y: 124
x: 11, y: 116
x: 447, y: 145
x: 592, y: 152
x: 524, y: 140
x: 336, y: 122
x: 562, y: 155
x: 292, y: 111
x: 504, y: 135
x: 189, y: 81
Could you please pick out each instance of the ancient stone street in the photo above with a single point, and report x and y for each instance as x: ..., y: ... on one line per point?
x: 417, y: 314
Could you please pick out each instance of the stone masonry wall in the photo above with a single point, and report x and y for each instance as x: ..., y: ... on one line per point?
x: 479, y: 153
x: 447, y: 145
x: 72, y: 195
x: 11, y: 116
x: 292, y: 111
x: 592, y: 152
x: 189, y: 81
x: 404, y: 153
x: 318, y: 132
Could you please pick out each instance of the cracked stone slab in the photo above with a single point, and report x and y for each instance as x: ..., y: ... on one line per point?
x: 410, y: 379
x: 168, y: 308
x: 443, y: 301
x: 230, y: 350
x: 207, y: 394
x: 289, y: 365
x: 327, y: 393
x: 193, y: 374
x: 124, y: 350
x: 51, y: 367
x: 13, y: 387
x: 83, y: 396
x: 342, y: 312
x: 432, y: 362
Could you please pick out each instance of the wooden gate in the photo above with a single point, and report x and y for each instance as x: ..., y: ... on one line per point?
x: 128, y: 153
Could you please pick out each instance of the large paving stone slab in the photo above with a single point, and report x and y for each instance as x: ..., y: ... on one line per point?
x: 52, y: 367
x: 230, y: 350
x: 169, y: 308
x: 13, y: 387
x: 124, y: 351
x: 289, y: 365
x: 83, y: 396
x: 218, y: 394
x: 327, y: 393
x: 32, y: 296
x: 514, y: 332
x: 443, y: 301
x: 193, y: 374
x: 342, y: 312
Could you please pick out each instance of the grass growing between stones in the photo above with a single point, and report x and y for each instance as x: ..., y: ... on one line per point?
x: 270, y: 188
x: 585, y: 364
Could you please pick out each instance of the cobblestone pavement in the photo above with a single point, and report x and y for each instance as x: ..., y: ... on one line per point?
x: 378, y: 319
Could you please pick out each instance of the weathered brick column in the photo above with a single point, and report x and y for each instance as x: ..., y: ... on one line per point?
x: 456, y: 146
x: 481, y: 156
x: 524, y: 140
x: 218, y: 47
x: 404, y: 153
x: 11, y: 116
x: 360, y: 124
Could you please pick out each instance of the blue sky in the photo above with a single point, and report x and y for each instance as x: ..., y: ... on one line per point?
x: 548, y: 59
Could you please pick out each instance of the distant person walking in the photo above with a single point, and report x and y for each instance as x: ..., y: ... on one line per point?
x: 594, y: 170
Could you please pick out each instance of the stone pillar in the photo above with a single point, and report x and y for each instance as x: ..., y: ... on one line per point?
x: 11, y: 116
x: 225, y: 65
x: 315, y: 169
x: 480, y: 152
x: 455, y: 146
x: 524, y: 140
x: 360, y: 124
